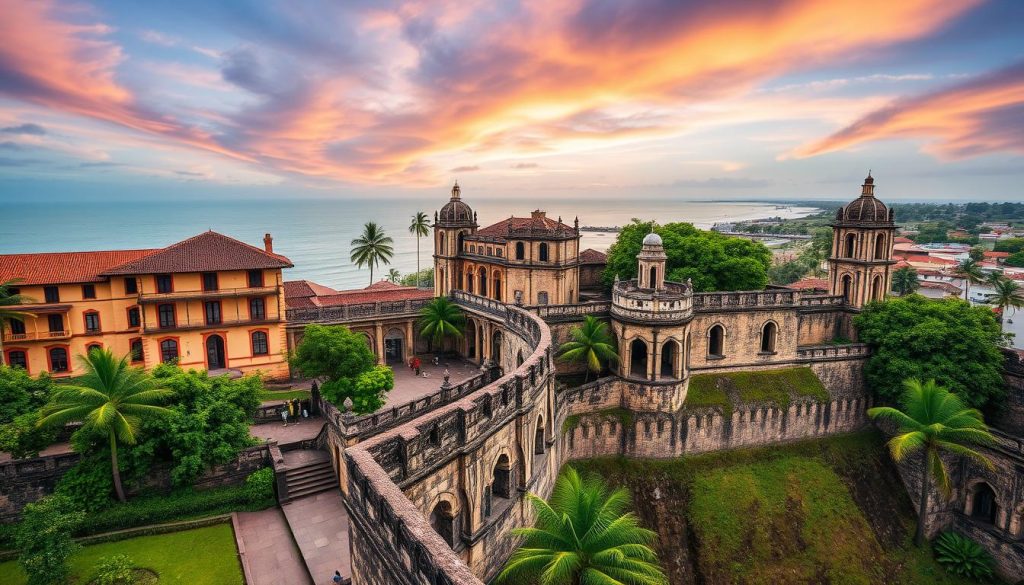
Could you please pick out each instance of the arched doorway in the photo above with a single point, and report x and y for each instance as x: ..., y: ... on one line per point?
x: 880, y: 247
x: 442, y: 520
x: 501, y: 481
x: 669, y: 356
x: 769, y: 333
x: 497, y: 286
x: 983, y: 503
x: 716, y: 341
x: 653, y: 282
x: 469, y: 282
x: 215, y: 359
x: 471, y: 341
x: 483, y: 282
x: 851, y: 242
x: 496, y: 356
x: 638, y: 359
x: 876, y: 289
x: 847, y: 288
x: 394, y: 347
x: 538, y: 438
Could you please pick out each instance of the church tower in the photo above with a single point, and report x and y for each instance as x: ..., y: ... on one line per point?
x: 652, y: 257
x: 860, y: 268
x: 451, y: 224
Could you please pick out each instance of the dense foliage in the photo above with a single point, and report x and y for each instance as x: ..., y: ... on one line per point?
x: 439, y: 320
x: 948, y: 340
x: 711, y: 260
x: 21, y: 396
x: 904, y: 280
x: 1011, y: 245
x: 932, y: 420
x: 589, y: 344
x: 44, y: 539
x: 584, y: 535
x: 962, y: 556
x: 423, y: 277
x: 1015, y: 259
x: 345, y: 366
x: 808, y: 261
x: 115, y: 570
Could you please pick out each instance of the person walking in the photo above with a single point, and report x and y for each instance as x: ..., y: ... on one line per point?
x: 284, y: 414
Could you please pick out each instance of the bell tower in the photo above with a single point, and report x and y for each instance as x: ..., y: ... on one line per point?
x: 652, y: 258
x: 455, y: 220
x: 860, y: 267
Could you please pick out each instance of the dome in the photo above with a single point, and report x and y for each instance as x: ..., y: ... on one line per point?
x: 652, y: 239
x: 456, y: 211
x: 866, y: 208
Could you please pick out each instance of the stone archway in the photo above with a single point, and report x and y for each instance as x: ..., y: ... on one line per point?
x: 442, y: 520
x: 394, y: 346
x: 471, y: 340
x: 669, y: 359
x: 638, y: 358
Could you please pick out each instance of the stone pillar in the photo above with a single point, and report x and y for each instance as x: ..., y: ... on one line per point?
x: 651, y: 356
x: 410, y: 335
x: 379, y: 333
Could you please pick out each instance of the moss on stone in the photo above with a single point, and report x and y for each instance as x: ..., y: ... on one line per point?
x: 731, y: 389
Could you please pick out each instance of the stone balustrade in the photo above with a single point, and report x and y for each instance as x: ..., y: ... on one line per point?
x: 556, y: 313
x: 357, y: 312
x: 832, y: 352
x: 745, y: 300
x: 831, y: 301
x: 673, y: 304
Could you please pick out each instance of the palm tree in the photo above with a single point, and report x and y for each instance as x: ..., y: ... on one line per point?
x: 584, y: 536
x: 439, y: 319
x: 372, y: 248
x: 394, y: 275
x: 1007, y: 295
x: 111, y: 399
x: 420, y: 227
x: 970, y: 271
x: 8, y: 298
x: 933, y: 420
x: 904, y: 280
x: 591, y: 345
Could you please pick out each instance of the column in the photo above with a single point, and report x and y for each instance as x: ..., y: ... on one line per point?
x: 410, y: 334
x: 379, y: 336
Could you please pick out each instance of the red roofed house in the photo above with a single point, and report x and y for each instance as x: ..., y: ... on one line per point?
x: 209, y: 302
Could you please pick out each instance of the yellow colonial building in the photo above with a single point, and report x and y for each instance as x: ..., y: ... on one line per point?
x: 208, y: 302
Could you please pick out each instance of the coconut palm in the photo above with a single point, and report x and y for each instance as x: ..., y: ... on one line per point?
x: 419, y: 227
x: 584, y: 536
x: 440, y: 319
x: 970, y: 271
x: 590, y: 345
x: 394, y: 275
x: 9, y: 298
x: 904, y: 280
x: 1007, y: 295
x: 933, y: 420
x: 111, y: 399
x: 372, y: 248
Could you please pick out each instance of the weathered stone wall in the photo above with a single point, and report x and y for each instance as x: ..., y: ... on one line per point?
x: 24, y: 481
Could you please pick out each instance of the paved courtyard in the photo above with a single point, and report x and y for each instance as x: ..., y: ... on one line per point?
x: 270, y: 553
x: 409, y: 387
x: 302, y: 429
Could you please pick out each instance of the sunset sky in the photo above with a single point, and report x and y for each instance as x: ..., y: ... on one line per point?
x: 559, y: 98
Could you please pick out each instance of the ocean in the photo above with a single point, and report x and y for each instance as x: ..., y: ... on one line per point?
x: 315, y: 233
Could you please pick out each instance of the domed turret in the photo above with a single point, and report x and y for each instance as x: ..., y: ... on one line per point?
x: 455, y: 212
x: 860, y: 268
x: 866, y: 208
x: 652, y: 239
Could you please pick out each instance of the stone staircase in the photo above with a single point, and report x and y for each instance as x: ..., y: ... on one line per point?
x: 309, y: 472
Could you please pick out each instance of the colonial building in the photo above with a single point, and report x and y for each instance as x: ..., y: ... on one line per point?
x: 208, y: 302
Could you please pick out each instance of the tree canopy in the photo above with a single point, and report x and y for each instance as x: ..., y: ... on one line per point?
x: 345, y: 366
x: 948, y: 340
x: 711, y: 260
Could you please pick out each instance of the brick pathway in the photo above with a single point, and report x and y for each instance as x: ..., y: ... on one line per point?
x: 319, y: 524
x: 409, y: 387
x: 271, y: 557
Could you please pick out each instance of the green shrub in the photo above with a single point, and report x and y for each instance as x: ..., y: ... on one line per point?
x: 962, y: 556
x: 260, y: 484
x: 115, y: 570
x: 44, y: 538
x: 88, y: 484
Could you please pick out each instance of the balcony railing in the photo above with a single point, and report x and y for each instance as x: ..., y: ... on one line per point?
x: 358, y: 312
x: 36, y: 336
x: 185, y: 295
x: 202, y: 324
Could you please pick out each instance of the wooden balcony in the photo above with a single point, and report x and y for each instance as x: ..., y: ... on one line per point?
x: 35, y: 336
x: 188, y: 295
x: 202, y: 324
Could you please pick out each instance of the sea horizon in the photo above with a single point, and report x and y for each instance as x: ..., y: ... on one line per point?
x: 315, y: 233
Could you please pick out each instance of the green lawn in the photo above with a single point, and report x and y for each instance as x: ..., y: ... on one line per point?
x: 203, y: 556
x: 270, y: 395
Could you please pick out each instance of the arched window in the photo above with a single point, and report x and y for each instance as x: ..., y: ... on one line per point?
x: 769, y: 333
x: 520, y: 251
x: 497, y: 286
x: 136, y: 350
x: 654, y: 277
x: 58, y: 360
x: 259, y: 343
x: 848, y: 288
x: 440, y: 243
x: 501, y: 484
x: 880, y: 247
x: 17, y: 358
x: 669, y: 355
x: 851, y: 241
x: 538, y: 437
x: 716, y: 341
x: 983, y: 504
x: 168, y: 350
x: 483, y: 282
x: 877, y: 290
x: 443, y: 522
x: 638, y: 358
x: 469, y: 281
x: 543, y: 252
x: 89, y: 348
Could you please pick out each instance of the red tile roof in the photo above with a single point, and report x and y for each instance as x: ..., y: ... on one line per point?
x: 592, y: 256
x: 993, y: 254
x: 902, y: 240
x: 207, y: 252
x: 810, y: 284
x: 64, y: 267
x: 930, y: 260
x: 305, y: 289
x: 536, y: 225
x: 381, y: 291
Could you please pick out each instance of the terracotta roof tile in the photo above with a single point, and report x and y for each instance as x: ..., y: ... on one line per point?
x: 382, y: 291
x: 810, y: 284
x: 305, y: 289
x: 930, y: 260
x: 537, y: 225
x: 592, y: 256
x: 65, y: 267
x: 207, y: 252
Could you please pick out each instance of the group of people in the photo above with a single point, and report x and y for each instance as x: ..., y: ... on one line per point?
x: 416, y: 365
x: 293, y: 409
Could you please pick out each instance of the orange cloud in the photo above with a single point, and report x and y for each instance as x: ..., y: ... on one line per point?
x: 549, y: 75
x: 985, y: 114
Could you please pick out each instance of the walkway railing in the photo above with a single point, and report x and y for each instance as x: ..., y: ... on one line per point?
x: 357, y: 312
x: 822, y: 301
x: 832, y: 352
x: 718, y: 301
x: 556, y: 312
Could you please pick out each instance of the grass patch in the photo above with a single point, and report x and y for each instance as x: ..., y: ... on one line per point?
x: 623, y: 415
x: 823, y: 511
x: 777, y: 387
x: 203, y: 556
x: 270, y: 395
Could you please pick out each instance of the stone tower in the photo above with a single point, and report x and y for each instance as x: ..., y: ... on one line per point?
x: 451, y: 224
x: 652, y: 259
x: 860, y: 267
